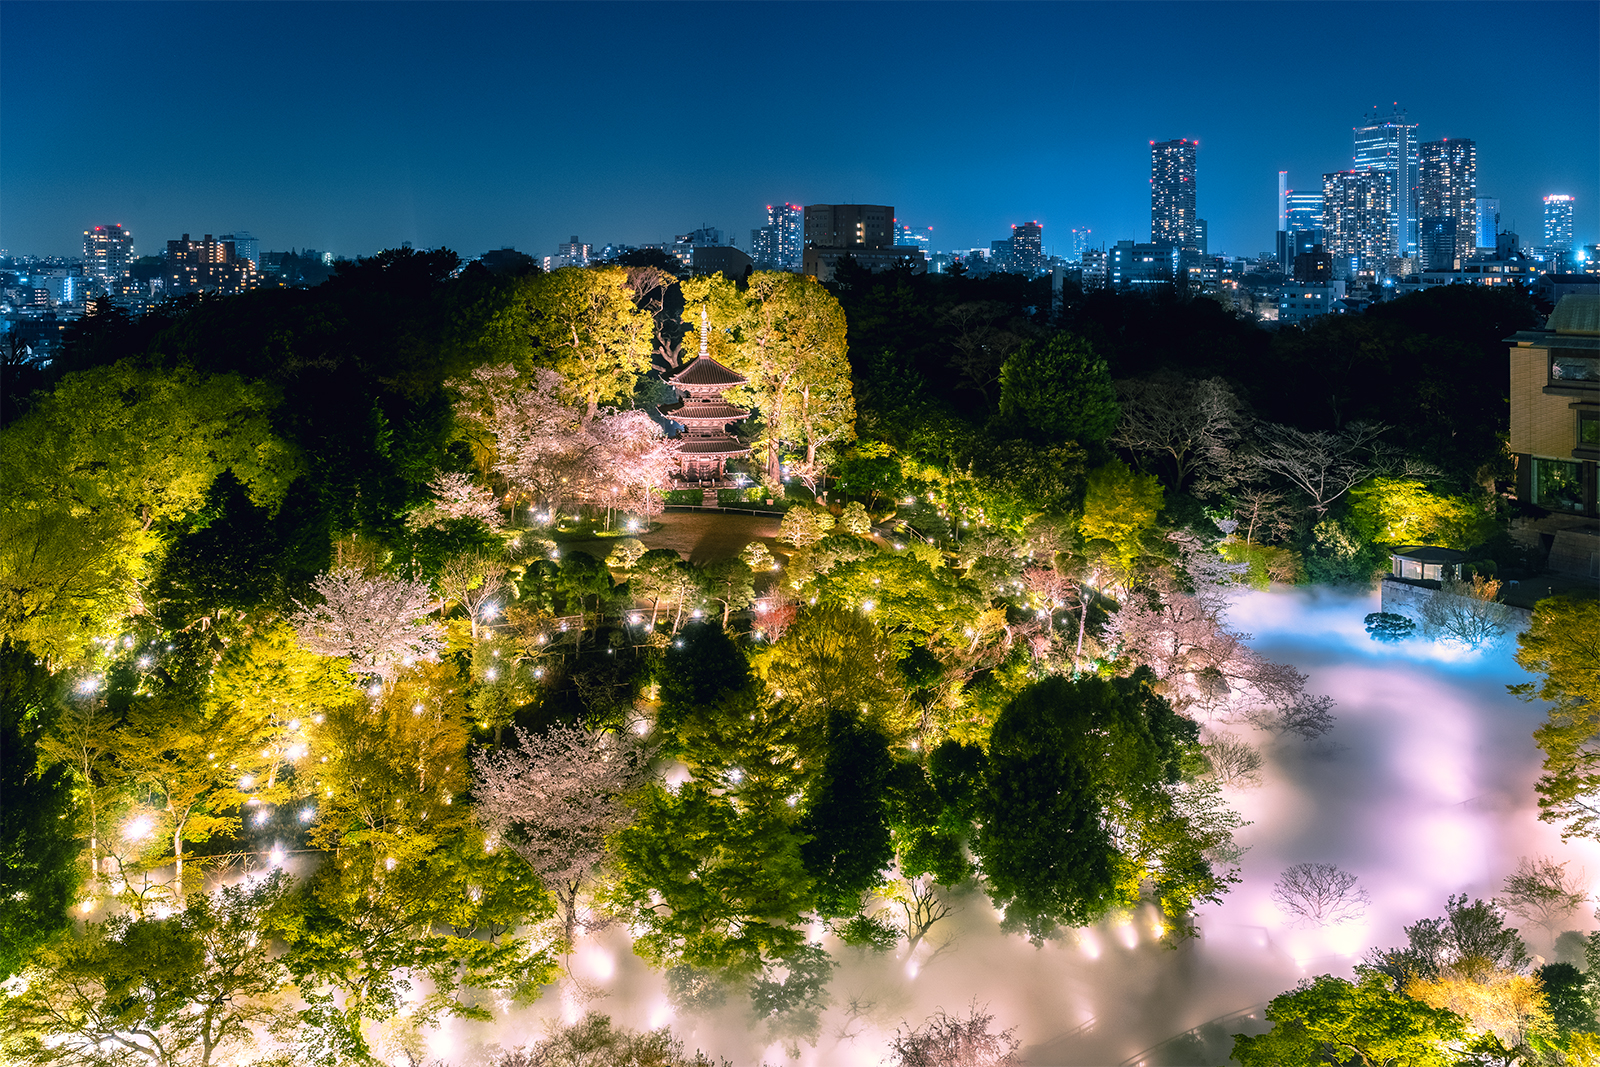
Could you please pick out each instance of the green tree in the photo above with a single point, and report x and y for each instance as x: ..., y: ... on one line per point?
x: 1367, y: 1022
x: 1121, y: 507
x: 190, y: 990
x: 39, y: 870
x: 847, y: 816
x: 1079, y: 806
x: 1563, y: 645
x: 1058, y: 390
x: 731, y: 583
x: 1395, y: 511
x: 586, y: 328
x: 790, y: 346
x: 710, y: 872
x: 414, y: 892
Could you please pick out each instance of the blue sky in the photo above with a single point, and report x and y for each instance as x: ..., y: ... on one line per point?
x: 354, y: 126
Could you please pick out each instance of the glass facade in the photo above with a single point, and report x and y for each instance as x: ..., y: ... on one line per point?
x: 1574, y: 365
x: 1588, y: 429
x: 1558, y: 484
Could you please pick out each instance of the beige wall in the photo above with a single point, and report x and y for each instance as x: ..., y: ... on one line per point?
x: 1540, y: 425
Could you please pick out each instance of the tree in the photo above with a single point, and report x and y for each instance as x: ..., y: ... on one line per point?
x: 804, y: 527
x: 790, y: 347
x: 1387, y: 627
x: 710, y: 871
x: 1561, y: 645
x: 593, y: 1041
x: 373, y: 621
x: 1466, y: 613
x: 731, y: 583
x: 1232, y: 760
x: 473, y: 581
x: 413, y: 894
x: 39, y: 868
x: 945, y: 1040
x: 1075, y: 811
x: 1542, y: 892
x: 1058, y: 390
x: 1183, y: 420
x: 188, y: 990
x: 1510, y: 1007
x: 1320, y: 894
x: 457, y: 496
x: 555, y: 797
x: 1403, y: 511
x: 586, y: 328
x: 834, y: 658
x: 1120, y: 507
x: 1475, y: 931
x: 1323, y: 465
x: 847, y: 816
x: 1366, y: 1022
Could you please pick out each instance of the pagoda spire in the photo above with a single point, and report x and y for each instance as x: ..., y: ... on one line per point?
x: 705, y: 333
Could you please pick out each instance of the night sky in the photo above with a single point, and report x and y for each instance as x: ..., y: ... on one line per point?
x: 354, y: 127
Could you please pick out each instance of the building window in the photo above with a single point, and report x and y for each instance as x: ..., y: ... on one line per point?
x: 1589, y: 429
x: 1574, y: 365
x: 1557, y: 485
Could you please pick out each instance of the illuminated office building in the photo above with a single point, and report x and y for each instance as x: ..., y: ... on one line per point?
x: 245, y: 246
x: 1487, y: 221
x: 1172, y: 192
x: 1447, y: 188
x: 1027, y: 249
x: 1389, y: 146
x: 1558, y: 223
x: 107, y: 254
x: 1081, y: 241
x: 862, y: 232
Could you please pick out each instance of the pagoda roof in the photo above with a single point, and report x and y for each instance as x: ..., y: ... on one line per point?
x: 703, y: 446
x: 706, y: 371
x: 710, y: 411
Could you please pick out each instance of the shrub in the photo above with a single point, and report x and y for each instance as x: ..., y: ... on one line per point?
x: 864, y: 931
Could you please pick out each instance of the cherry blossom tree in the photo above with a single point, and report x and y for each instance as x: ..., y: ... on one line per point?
x: 556, y: 797
x: 374, y: 621
x: 457, y: 496
x: 634, y: 458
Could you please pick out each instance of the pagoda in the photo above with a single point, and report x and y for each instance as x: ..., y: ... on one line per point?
x: 705, y: 444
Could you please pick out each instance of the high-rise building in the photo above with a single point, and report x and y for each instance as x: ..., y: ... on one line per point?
x: 1027, y: 249
x: 107, y: 254
x: 1389, y: 146
x: 1172, y: 192
x: 1358, y: 220
x: 778, y: 245
x: 1303, y: 210
x: 1447, y: 188
x: 1082, y: 241
x: 1558, y: 222
x: 1487, y: 221
x: 906, y: 237
x: 576, y: 252
x: 245, y: 246
x: 1202, y: 235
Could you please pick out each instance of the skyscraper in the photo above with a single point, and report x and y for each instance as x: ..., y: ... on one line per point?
x: 107, y: 254
x: 777, y: 245
x: 1389, y: 146
x: 1487, y: 222
x: 1558, y: 222
x: 1027, y: 248
x: 1081, y: 236
x: 1358, y: 220
x: 1447, y: 188
x: 1172, y: 192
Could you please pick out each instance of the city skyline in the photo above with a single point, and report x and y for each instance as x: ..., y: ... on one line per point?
x: 337, y: 154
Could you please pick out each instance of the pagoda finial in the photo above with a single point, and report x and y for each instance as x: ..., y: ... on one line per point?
x: 705, y: 332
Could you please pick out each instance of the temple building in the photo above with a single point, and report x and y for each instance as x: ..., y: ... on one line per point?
x: 705, y: 443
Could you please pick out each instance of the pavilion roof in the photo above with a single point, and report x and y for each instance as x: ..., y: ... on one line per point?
x: 712, y: 446
x: 706, y: 371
